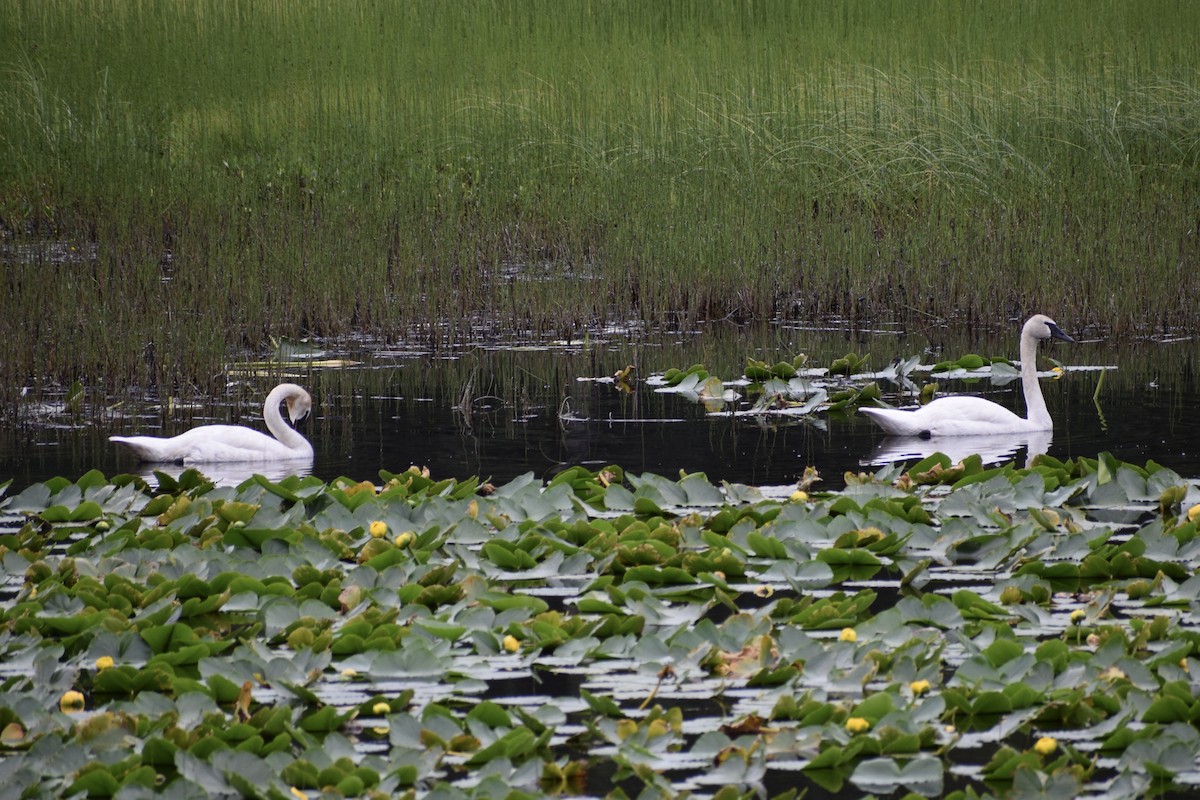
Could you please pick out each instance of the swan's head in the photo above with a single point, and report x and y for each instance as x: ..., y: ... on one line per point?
x: 1039, y: 326
x: 298, y: 405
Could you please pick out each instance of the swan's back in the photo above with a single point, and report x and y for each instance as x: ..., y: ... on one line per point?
x: 212, y: 444
x: 950, y: 416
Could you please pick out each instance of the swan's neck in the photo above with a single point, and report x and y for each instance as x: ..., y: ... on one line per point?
x: 1035, y: 404
x: 288, y: 436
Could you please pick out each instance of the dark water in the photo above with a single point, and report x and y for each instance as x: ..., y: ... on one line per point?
x: 498, y: 412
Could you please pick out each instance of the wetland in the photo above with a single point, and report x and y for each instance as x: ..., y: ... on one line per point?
x: 788, y: 610
x: 587, y: 300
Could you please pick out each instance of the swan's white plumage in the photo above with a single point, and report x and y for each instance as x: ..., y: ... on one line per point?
x: 975, y: 416
x: 232, y: 443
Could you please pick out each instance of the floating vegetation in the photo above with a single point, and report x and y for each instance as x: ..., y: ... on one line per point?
x: 943, y: 625
x: 786, y: 388
x: 289, y: 358
x: 796, y: 389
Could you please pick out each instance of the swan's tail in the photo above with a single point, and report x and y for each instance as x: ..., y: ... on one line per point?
x: 896, y: 422
x: 147, y: 448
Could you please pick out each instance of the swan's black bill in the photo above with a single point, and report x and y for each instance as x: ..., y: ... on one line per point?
x: 1056, y: 332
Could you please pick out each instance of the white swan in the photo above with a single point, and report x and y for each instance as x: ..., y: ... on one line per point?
x: 974, y: 416
x: 232, y: 443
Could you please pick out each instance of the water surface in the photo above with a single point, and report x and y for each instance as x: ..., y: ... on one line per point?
x: 500, y: 410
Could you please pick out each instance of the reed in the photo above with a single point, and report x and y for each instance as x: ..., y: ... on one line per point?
x: 182, y: 180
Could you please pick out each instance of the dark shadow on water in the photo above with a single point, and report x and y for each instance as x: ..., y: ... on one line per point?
x: 499, y: 413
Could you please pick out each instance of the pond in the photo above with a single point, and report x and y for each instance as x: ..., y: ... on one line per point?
x: 580, y: 631
x: 498, y: 410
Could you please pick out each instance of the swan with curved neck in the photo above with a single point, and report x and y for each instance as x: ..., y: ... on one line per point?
x: 231, y: 443
x: 975, y: 416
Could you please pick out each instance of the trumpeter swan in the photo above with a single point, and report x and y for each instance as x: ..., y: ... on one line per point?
x: 974, y: 416
x: 231, y: 443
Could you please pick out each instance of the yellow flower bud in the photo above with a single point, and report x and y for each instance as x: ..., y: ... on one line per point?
x: 799, y: 496
x: 1077, y: 616
x: 1046, y: 745
x: 848, y: 635
x: 511, y: 643
x: 381, y: 708
x: 405, y: 538
x: 1194, y: 513
x: 104, y: 662
x: 378, y: 528
x: 858, y: 725
x: 919, y: 687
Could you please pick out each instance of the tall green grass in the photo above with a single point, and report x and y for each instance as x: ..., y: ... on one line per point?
x: 448, y: 171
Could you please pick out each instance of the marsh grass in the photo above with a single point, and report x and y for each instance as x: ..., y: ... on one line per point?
x: 183, y: 180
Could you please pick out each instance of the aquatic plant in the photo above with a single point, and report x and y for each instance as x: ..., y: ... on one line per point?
x: 263, y: 638
x: 797, y: 389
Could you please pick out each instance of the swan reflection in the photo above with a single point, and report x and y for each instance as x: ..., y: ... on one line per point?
x: 231, y: 474
x: 992, y: 449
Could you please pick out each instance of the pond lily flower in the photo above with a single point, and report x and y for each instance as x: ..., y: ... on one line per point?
x: 511, y: 643
x: 104, y: 662
x: 71, y: 702
x: 1046, y: 745
x: 858, y: 725
x: 848, y: 635
x: 378, y: 528
x: 919, y: 688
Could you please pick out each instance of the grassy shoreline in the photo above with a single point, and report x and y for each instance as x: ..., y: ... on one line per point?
x: 181, y: 180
